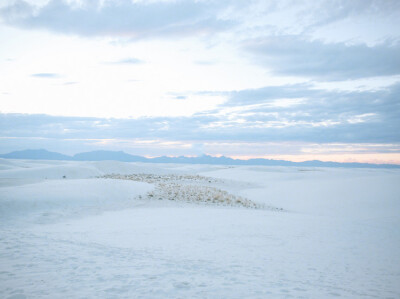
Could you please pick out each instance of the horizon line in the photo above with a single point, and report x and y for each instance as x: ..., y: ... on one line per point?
x: 234, y: 158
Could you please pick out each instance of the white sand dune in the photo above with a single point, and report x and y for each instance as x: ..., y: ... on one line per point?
x: 87, y: 237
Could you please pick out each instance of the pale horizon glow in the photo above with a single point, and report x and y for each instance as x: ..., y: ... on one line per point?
x: 342, y: 158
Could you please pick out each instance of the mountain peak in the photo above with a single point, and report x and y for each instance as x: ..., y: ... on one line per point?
x: 102, y: 155
x: 36, y: 154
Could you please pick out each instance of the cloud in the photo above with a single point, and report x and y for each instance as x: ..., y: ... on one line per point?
x: 269, y: 93
x: 313, y: 14
x: 180, y: 97
x: 299, y: 112
x: 307, y: 17
x: 205, y: 62
x: 119, y: 18
x: 302, y: 113
x: 327, y: 12
x: 293, y: 56
x: 127, y: 61
x: 296, y: 114
x: 46, y: 75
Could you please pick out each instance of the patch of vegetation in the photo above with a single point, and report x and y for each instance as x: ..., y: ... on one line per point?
x: 187, y: 188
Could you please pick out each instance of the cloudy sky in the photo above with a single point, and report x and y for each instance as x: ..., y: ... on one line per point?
x: 288, y: 79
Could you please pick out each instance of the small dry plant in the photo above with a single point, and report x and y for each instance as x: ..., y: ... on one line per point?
x: 188, y: 188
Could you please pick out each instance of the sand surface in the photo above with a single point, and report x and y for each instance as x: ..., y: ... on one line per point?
x: 74, y: 229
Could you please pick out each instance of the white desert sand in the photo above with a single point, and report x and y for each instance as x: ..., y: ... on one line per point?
x: 132, y: 230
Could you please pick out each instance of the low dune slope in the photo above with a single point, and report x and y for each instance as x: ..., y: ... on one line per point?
x: 85, y: 236
x: 53, y: 200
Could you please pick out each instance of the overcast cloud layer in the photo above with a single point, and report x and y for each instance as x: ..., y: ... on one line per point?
x: 137, y: 20
x: 293, y: 113
x: 239, y: 78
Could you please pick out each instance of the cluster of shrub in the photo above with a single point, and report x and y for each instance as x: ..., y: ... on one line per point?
x: 181, y: 188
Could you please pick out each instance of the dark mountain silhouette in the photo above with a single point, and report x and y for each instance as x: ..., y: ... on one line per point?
x: 36, y: 154
x: 205, y: 159
x: 42, y: 154
x: 107, y: 155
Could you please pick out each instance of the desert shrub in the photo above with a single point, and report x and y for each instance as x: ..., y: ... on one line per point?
x: 187, y: 188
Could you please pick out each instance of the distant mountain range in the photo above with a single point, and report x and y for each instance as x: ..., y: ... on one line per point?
x: 41, y: 154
